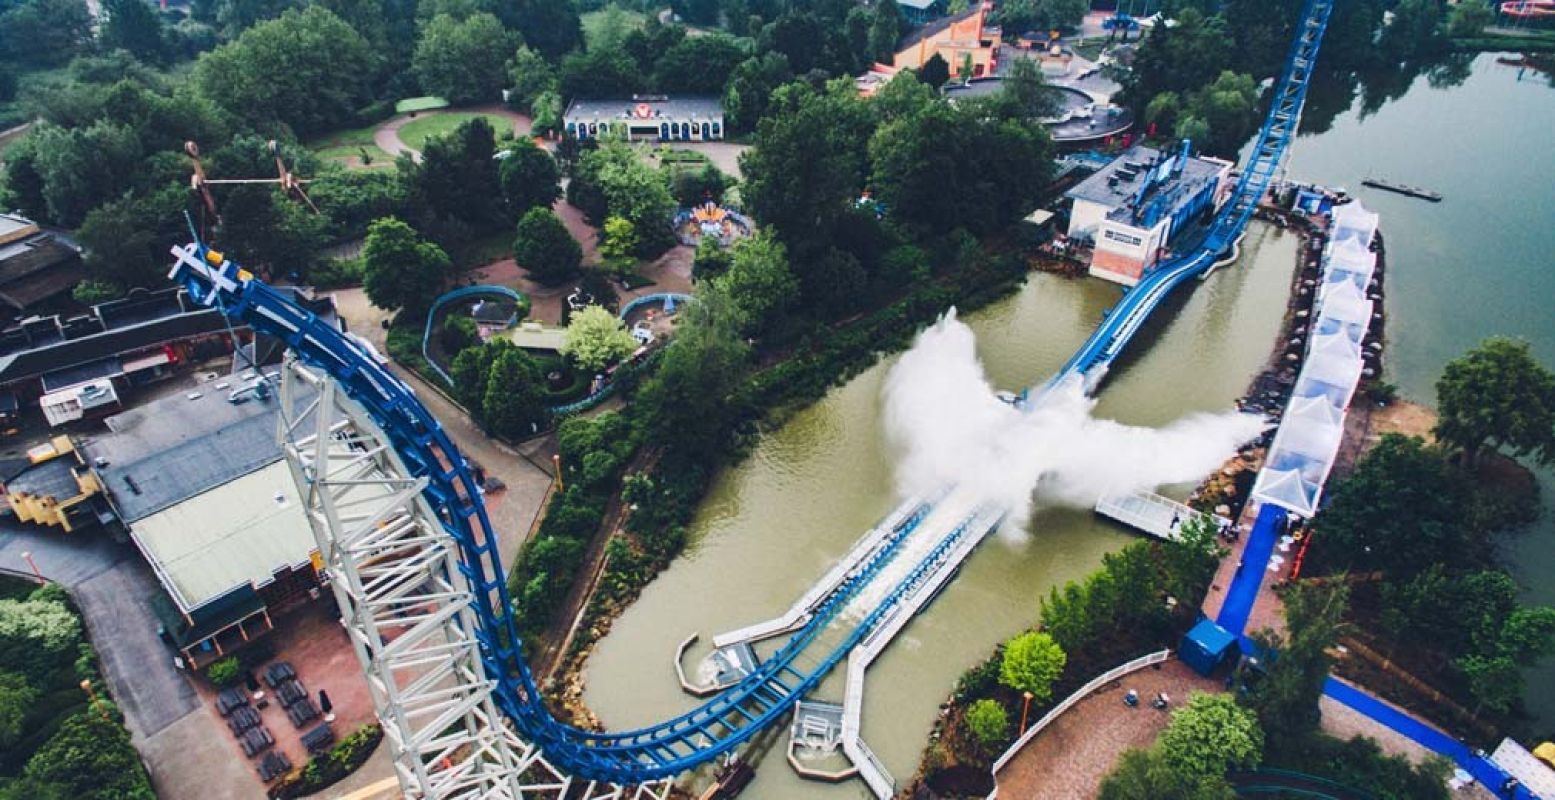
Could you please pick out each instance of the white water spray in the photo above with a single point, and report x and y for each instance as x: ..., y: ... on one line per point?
x: 949, y: 428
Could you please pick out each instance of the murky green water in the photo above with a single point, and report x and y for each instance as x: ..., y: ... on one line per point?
x: 776, y: 522
x: 1479, y: 263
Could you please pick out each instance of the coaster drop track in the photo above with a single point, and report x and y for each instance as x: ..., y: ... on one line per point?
x: 387, y: 427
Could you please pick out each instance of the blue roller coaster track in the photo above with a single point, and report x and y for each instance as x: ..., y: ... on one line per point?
x: 738, y: 713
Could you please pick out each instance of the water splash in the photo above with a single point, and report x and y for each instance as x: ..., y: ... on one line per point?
x: 949, y: 428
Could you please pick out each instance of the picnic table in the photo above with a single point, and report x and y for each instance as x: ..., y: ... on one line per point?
x: 291, y: 691
x: 302, y: 712
x: 273, y: 765
x: 230, y: 699
x: 254, y: 740
x: 243, y: 718
x: 278, y: 673
x: 319, y: 739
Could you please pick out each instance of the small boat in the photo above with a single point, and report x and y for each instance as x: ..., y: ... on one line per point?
x: 1403, y: 189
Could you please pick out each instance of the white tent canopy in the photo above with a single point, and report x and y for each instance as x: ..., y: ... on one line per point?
x: 1287, y: 489
x: 1352, y: 254
x: 1353, y: 221
x: 1345, y: 303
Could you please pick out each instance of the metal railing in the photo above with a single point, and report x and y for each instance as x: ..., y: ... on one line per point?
x: 1069, y: 702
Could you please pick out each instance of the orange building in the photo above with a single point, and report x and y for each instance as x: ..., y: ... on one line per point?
x: 954, y: 38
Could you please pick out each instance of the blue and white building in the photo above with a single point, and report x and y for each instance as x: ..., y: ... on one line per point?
x: 648, y: 117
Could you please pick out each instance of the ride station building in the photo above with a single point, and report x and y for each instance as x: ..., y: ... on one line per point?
x: 667, y: 119
x: 1130, y: 209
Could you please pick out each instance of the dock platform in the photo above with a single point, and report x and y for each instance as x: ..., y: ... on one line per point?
x: 1152, y: 514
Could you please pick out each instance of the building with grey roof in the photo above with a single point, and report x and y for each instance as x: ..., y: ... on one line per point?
x: 1130, y: 209
x: 691, y: 118
x: 199, y: 481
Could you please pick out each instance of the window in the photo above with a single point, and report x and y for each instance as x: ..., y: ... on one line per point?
x: 1124, y: 238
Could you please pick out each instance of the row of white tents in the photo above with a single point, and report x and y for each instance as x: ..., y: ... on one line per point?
x: 1307, y: 443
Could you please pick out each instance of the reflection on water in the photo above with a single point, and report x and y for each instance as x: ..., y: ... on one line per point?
x: 776, y: 522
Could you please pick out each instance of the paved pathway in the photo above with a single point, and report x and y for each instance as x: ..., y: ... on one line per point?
x: 1070, y: 758
x: 184, y: 746
x: 387, y: 135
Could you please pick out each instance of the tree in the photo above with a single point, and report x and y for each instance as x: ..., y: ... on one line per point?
x: 127, y: 240
x: 1497, y: 397
x: 1401, y: 510
x: 470, y: 370
x: 885, y: 30
x: 459, y: 334
x: 131, y: 25
x: 90, y: 757
x: 711, y: 259
x: 513, y: 405
x: 454, y: 60
x: 1469, y: 20
x: 612, y: 180
x: 617, y: 242
x: 988, y: 722
x: 1032, y: 663
x: 1211, y: 735
x: 691, y: 400
x: 400, y: 270
x: 35, y: 635
x: 81, y: 168
x: 1027, y: 93
x: 1496, y: 682
x: 935, y: 72
x: 1415, y: 30
x: 599, y: 74
x: 44, y: 33
x: 596, y: 339
x: 16, y: 699
x: 750, y: 88
x: 1180, y: 57
x: 270, y: 233
x: 758, y: 283
x: 1190, y: 560
x: 1146, y: 775
x: 307, y: 70
x: 528, y: 176
x: 1285, y: 698
x: 808, y: 164
x: 457, y: 181
x: 1018, y: 16
x: 695, y: 187
x: 952, y: 166
x: 529, y: 76
x: 698, y: 64
x: 545, y: 248
x: 1228, y: 108
x: 551, y: 28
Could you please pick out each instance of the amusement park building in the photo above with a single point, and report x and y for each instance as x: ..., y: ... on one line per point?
x: 953, y: 39
x: 199, y: 481
x: 1130, y: 209
x: 666, y: 119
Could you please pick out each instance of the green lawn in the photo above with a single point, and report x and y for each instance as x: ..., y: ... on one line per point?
x: 416, y: 133
x: 346, y: 144
x: 428, y: 103
x: 610, y: 22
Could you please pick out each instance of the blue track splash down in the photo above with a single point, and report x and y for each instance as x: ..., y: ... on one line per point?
x: 734, y: 716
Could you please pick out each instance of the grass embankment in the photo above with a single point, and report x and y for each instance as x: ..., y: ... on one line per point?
x: 1519, y: 42
x: 353, y: 147
x: 602, y: 24
x: 416, y: 132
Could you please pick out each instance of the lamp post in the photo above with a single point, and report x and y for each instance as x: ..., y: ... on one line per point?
x: 1024, y: 710
x: 27, y: 556
x: 556, y: 459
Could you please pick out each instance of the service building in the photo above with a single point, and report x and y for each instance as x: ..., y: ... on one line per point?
x: 1132, y: 208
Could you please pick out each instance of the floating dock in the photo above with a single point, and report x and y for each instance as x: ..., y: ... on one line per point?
x: 1153, y: 514
x: 1403, y: 189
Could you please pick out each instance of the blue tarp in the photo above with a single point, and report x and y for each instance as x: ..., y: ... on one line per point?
x: 1206, y: 646
x: 1255, y: 559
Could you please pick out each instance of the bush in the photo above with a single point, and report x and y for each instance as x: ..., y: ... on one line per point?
x: 334, y: 273
x: 224, y: 672
x: 988, y: 722
x: 326, y: 770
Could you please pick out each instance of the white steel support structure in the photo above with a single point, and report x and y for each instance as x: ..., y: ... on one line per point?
x: 406, y: 607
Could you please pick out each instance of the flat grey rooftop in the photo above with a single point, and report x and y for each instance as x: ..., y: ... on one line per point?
x: 167, y: 451
x: 661, y: 107
x: 1137, y: 162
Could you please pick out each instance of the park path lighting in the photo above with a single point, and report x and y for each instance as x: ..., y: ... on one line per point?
x: 27, y: 556
x: 1025, y: 709
x: 556, y: 459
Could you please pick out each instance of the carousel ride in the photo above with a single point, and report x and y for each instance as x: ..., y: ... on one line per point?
x: 711, y: 220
